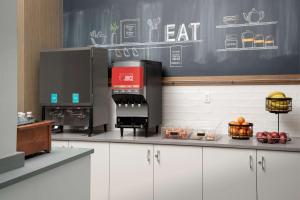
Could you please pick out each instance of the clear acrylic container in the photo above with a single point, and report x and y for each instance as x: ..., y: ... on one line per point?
x: 210, y: 134
x: 176, y: 132
x: 197, y: 134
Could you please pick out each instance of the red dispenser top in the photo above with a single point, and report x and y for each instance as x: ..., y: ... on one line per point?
x: 127, y: 78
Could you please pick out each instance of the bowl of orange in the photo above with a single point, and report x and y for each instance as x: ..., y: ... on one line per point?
x: 240, y: 129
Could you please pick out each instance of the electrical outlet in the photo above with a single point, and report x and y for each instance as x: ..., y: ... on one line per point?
x: 206, y: 98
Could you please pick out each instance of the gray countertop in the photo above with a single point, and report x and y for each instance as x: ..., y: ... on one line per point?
x: 223, y: 142
x: 42, y: 163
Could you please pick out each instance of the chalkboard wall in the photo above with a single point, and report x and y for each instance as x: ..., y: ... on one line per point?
x: 192, y: 37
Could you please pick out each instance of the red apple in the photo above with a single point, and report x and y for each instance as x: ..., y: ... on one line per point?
x: 283, y: 138
x: 270, y: 139
x: 283, y: 134
x: 264, y: 139
x: 275, y: 136
x: 261, y: 137
x: 259, y: 134
x: 266, y: 133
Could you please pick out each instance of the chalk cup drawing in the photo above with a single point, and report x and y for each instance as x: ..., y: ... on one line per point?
x: 114, y: 28
x: 254, y: 16
x: 118, y: 53
x: 126, y: 52
x: 153, y: 29
x: 135, y: 52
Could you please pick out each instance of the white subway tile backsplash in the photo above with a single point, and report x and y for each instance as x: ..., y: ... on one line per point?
x: 184, y: 106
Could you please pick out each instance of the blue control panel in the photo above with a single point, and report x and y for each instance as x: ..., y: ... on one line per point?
x: 54, y: 98
x: 75, y: 98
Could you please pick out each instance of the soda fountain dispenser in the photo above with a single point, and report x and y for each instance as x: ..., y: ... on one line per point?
x: 137, y: 92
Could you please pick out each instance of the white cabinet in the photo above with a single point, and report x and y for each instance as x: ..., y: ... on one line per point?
x: 229, y: 174
x: 174, y: 174
x: 131, y: 172
x: 165, y: 172
x: 177, y: 173
x: 278, y: 175
x: 99, y: 168
x: 60, y: 144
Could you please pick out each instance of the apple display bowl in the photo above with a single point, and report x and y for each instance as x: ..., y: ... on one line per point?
x: 279, y: 105
x: 242, y: 132
x: 273, y: 137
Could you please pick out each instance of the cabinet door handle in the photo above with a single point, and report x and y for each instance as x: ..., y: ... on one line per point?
x: 262, y: 163
x: 157, y: 156
x: 251, y: 162
x: 148, y: 156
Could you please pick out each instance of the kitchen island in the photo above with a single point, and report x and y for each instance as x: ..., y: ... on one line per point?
x: 166, y: 169
x: 42, y: 175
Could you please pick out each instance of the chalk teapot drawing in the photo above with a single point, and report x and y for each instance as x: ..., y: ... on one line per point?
x: 254, y: 16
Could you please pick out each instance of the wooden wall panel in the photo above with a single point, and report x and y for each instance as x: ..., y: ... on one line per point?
x: 21, y: 62
x: 42, y: 29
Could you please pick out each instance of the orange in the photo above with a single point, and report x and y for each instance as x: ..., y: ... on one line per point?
x: 241, y: 120
x: 242, y: 132
x: 245, y: 123
x: 249, y: 132
x: 235, y: 130
x: 232, y: 123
